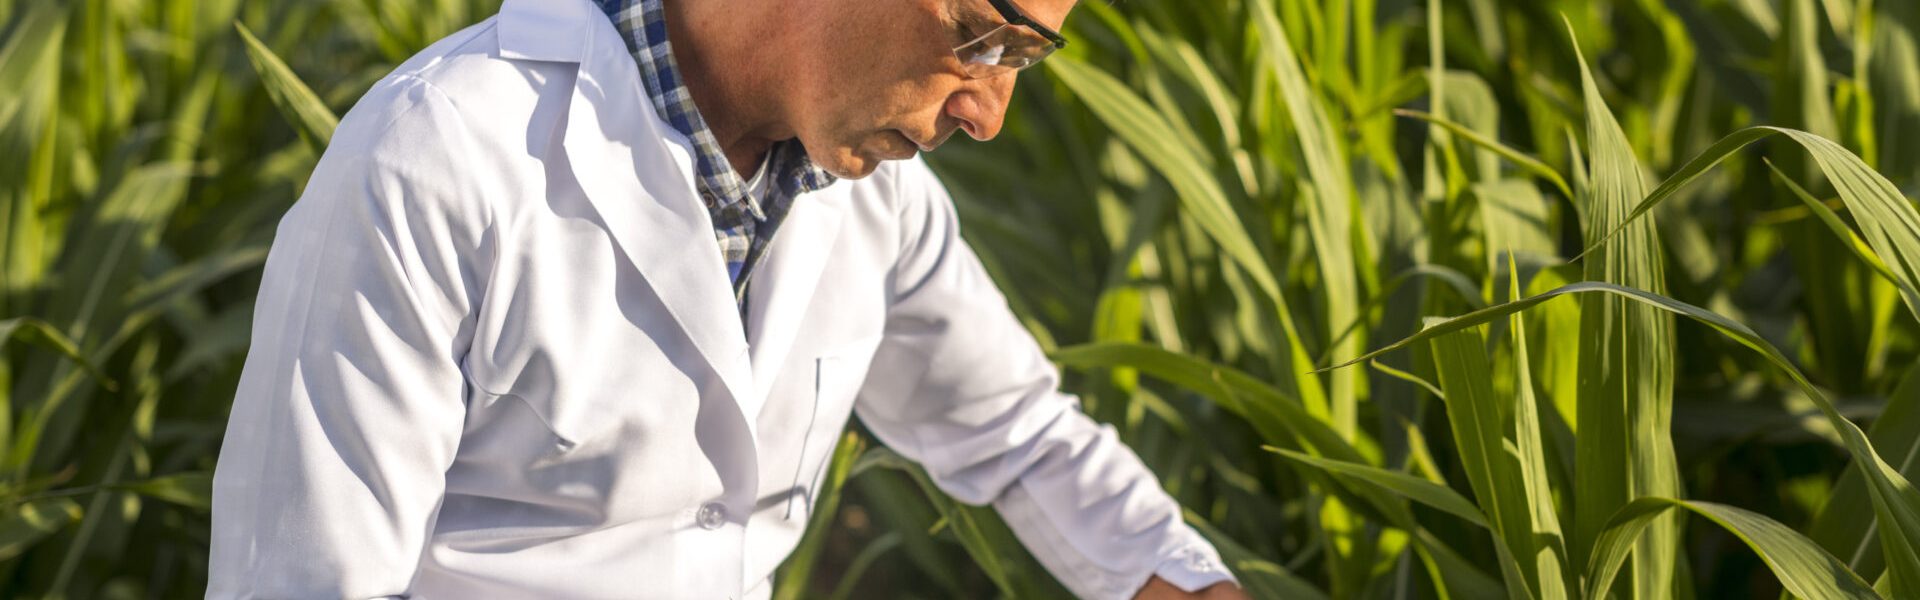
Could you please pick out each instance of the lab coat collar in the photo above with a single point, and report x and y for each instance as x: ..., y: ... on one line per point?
x: 639, y: 176
x: 613, y: 134
x: 547, y: 30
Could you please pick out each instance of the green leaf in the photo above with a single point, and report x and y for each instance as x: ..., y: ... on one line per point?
x: 1412, y: 488
x: 1834, y: 224
x: 986, y: 538
x: 1891, y: 227
x: 1477, y: 416
x: 862, y: 562
x: 1278, y: 418
x: 1625, y: 446
x: 1887, y: 220
x: 1896, y: 503
x: 1676, y: 69
x: 1548, y: 546
x: 194, y: 277
x: 797, y: 571
x: 31, y: 522
x: 29, y: 54
x: 34, y: 331
x: 1144, y: 130
x: 1518, y: 158
x: 1893, y: 68
x: 192, y: 490
x: 1803, y: 568
x: 1453, y: 279
x: 1329, y: 204
x: 1845, y: 525
x: 297, y: 103
x: 30, y: 129
x: 1281, y: 421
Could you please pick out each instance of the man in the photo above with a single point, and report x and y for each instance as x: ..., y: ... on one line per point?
x: 498, y: 352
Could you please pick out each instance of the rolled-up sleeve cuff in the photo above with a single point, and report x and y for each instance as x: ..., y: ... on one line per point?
x: 1189, y: 563
x: 1193, y: 568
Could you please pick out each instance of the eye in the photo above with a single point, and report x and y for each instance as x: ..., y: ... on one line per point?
x: 967, y: 32
x: 968, y: 25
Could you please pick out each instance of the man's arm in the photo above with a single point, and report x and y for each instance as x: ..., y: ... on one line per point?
x: 351, y: 402
x: 960, y: 387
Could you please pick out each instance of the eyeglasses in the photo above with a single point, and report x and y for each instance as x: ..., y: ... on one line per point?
x: 1008, y: 48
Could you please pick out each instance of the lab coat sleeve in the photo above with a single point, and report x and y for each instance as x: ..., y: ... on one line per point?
x: 960, y: 387
x: 351, y: 402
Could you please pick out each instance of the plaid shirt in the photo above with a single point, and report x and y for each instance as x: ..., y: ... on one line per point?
x: 743, y: 224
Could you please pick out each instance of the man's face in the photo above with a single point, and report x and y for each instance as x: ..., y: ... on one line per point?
x: 881, y: 81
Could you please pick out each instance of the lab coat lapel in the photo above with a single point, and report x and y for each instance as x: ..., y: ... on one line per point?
x: 780, y: 293
x: 641, y: 184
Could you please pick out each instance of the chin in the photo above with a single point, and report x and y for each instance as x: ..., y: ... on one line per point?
x: 846, y: 164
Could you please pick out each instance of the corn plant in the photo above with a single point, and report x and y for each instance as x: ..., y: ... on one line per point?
x: 1260, y: 202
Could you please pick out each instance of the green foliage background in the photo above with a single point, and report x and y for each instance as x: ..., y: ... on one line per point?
x: 1201, y: 208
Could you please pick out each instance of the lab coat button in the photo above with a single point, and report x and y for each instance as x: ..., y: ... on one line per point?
x: 711, y: 516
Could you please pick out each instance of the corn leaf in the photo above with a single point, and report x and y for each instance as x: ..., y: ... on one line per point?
x: 30, y: 90
x: 981, y: 532
x: 1846, y: 526
x: 1626, y: 360
x: 1803, y: 568
x: 34, y: 331
x: 192, y: 278
x: 1453, y: 279
x: 1518, y: 158
x: 193, y: 490
x: 1896, y: 502
x: 1412, y: 488
x: 1548, y: 545
x: 797, y: 571
x: 1281, y: 422
x: 297, y: 103
x: 1839, y: 228
x: 1478, y: 418
x: 1278, y: 418
x: 1893, y: 68
x: 1886, y: 219
x: 27, y: 55
x: 31, y: 522
x: 1329, y: 205
x: 1200, y: 194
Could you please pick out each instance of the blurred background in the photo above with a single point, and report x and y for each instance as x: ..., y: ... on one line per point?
x: 1193, y: 205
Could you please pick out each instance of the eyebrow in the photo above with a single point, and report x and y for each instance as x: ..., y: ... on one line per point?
x: 974, y: 16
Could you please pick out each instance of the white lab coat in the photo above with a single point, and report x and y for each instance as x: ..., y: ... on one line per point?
x: 496, y: 355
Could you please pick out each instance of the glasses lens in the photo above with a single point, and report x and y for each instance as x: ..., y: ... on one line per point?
x: 1005, y: 49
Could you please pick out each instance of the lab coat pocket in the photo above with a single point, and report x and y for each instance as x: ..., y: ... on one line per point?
x: 620, y: 395
x: 497, y: 420
x: 837, y: 375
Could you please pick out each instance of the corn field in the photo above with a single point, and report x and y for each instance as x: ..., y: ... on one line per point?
x: 1400, y: 298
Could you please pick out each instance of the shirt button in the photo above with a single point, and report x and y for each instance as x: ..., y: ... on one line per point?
x: 711, y: 516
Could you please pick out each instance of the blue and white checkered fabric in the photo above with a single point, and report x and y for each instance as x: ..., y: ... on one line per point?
x: 743, y: 224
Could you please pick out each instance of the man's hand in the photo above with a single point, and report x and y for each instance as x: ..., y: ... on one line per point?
x: 1159, y: 589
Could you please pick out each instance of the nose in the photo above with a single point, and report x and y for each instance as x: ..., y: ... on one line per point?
x: 980, y: 107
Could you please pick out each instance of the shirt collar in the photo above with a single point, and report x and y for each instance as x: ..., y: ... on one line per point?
x: 643, y: 26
